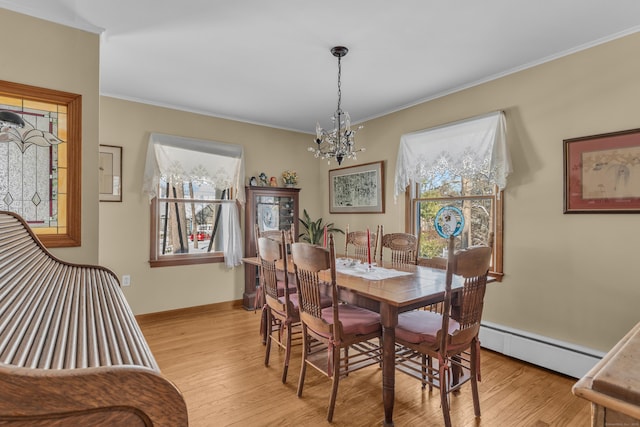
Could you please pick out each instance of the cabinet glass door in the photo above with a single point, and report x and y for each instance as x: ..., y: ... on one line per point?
x: 274, y: 213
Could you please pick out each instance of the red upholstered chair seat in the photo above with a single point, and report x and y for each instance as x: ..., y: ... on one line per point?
x: 355, y: 320
x: 422, y: 326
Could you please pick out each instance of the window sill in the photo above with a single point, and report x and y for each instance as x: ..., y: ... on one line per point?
x: 177, y: 260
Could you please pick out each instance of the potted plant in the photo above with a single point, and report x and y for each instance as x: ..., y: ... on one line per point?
x: 313, y: 231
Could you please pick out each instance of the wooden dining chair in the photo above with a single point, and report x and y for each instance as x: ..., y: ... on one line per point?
x: 277, y: 235
x: 338, y: 339
x: 259, y: 300
x: 282, y: 315
x: 357, y: 240
x: 450, y: 340
x: 402, y: 246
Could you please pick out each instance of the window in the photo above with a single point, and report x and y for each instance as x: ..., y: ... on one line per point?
x: 465, y: 165
x: 194, y: 186
x: 481, y: 205
x: 40, y: 162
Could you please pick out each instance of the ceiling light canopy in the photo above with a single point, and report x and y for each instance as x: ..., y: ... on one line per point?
x: 339, y: 143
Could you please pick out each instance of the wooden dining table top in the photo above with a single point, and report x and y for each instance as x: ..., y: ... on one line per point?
x: 423, y: 282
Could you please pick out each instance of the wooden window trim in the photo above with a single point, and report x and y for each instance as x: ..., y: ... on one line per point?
x: 73, y: 103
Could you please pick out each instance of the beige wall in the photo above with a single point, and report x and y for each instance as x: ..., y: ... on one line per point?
x: 42, y: 54
x: 569, y: 277
x: 124, y: 227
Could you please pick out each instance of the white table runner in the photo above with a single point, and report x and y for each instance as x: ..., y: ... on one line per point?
x: 355, y: 268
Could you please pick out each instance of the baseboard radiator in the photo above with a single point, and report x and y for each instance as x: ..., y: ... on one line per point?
x: 565, y: 358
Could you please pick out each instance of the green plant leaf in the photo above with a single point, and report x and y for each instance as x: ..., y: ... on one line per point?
x: 313, y: 231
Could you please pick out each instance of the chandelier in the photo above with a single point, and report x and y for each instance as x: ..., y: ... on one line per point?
x: 339, y: 143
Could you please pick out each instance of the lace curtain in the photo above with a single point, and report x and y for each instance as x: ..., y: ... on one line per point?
x: 221, y: 166
x: 463, y: 148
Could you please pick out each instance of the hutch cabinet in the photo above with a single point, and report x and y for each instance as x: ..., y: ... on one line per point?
x: 271, y: 208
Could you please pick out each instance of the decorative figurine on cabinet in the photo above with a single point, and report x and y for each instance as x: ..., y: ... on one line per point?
x: 273, y: 181
x: 253, y: 181
x: 263, y: 179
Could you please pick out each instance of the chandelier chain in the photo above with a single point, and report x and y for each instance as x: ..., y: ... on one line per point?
x: 339, y: 83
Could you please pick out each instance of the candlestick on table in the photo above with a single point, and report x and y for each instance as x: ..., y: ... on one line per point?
x: 325, y: 236
x: 369, y: 247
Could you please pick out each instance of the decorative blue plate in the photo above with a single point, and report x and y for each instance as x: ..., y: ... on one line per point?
x: 449, y: 221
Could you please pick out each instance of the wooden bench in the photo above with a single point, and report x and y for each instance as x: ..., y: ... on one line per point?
x: 71, y: 351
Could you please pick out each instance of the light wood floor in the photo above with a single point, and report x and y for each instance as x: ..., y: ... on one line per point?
x: 214, y: 354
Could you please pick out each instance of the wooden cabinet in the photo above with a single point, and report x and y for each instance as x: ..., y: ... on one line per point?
x: 272, y: 208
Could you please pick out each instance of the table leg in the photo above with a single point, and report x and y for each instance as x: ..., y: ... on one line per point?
x: 389, y: 317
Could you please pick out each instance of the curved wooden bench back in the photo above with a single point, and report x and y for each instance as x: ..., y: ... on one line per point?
x: 60, y: 321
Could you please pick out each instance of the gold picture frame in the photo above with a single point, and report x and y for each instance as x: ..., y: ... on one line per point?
x: 357, y: 189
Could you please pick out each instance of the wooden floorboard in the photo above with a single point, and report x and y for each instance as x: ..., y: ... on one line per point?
x: 214, y: 354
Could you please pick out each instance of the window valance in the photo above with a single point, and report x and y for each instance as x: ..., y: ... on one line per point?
x: 176, y: 159
x: 465, y: 148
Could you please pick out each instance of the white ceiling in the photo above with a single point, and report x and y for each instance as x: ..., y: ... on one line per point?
x: 268, y: 62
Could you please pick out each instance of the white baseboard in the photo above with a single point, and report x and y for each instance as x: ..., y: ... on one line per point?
x: 559, y: 356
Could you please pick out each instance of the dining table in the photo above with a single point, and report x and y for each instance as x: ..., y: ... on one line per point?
x: 390, y: 289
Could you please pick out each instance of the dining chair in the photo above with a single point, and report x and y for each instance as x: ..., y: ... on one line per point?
x: 282, y: 314
x: 449, y: 339
x: 288, y: 238
x: 402, y: 246
x: 358, y: 241
x: 336, y: 340
x: 259, y: 300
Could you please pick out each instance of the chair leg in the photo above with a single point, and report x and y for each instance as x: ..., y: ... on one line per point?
x: 424, y: 371
x: 287, y: 353
x: 444, y: 398
x: 430, y: 364
x: 268, y: 332
x: 265, y: 327
x: 303, y: 365
x: 474, y: 379
x: 336, y: 382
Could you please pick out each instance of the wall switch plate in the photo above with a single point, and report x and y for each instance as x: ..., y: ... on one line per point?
x: 126, y: 280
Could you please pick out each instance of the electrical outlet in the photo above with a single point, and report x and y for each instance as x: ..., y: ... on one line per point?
x: 126, y: 280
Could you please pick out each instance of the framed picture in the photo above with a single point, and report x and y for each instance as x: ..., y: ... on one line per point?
x: 357, y: 189
x: 602, y: 173
x: 110, y: 173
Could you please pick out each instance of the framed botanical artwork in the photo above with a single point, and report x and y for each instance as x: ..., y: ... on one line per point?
x: 602, y: 173
x: 357, y: 189
x: 110, y: 173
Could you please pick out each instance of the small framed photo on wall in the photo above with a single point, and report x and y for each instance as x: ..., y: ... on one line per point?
x: 110, y: 173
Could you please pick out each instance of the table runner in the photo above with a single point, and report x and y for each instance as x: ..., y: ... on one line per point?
x: 355, y: 268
